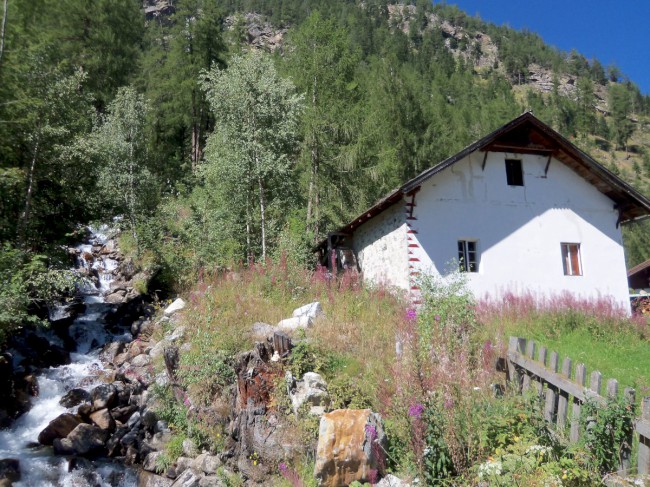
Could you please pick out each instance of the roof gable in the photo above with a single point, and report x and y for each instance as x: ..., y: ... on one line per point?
x: 527, y: 134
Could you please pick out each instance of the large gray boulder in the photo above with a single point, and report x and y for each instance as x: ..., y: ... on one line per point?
x: 302, y: 317
x: 85, y: 439
x: 104, y: 396
x: 74, y: 397
x: 59, y: 427
x: 103, y: 419
x: 311, y: 389
x: 148, y: 479
x: 173, y: 308
x: 206, y: 463
x: 188, y: 478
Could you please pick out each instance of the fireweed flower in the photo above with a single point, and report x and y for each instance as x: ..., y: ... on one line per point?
x: 411, y: 314
x: 416, y: 410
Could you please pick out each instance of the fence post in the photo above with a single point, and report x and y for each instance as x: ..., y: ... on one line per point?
x: 539, y: 384
x: 517, y: 345
x: 626, y: 449
x: 549, y: 406
x: 581, y: 374
x: 530, y: 353
x: 612, y: 388
x: 563, y: 399
x: 595, y: 383
x: 644, y: 442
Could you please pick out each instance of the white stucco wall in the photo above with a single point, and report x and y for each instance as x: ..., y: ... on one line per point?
x: 519, y: 229
x: 380, y: 245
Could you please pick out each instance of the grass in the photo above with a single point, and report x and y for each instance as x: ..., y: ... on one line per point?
x: 593, y: 332
x: 438, y: 391
x: 623, y: 357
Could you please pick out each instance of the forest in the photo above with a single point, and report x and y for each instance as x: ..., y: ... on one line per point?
x: 215, y: 151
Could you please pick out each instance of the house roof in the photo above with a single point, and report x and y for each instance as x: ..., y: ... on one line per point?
x: 638, y: 268
x: 526, y: 134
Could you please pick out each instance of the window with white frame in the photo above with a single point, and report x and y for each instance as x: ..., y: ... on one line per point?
x: 467, y: 256
x: 571, y: 259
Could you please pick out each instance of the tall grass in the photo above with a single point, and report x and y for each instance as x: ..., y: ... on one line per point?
x: 428, y: 371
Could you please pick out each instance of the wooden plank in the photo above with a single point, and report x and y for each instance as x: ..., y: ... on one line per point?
x: 539, y: 383
x: 612, y: 388
x: 581, y: 375
x: 595, y: 381
x: 626, y: 448
x: 643, y: 458
x: 554, y: 379
x: 563, y: 399
x: 551, y: 392
x: 516, y: 346
x: 530, y: 353
x: 542, y: 356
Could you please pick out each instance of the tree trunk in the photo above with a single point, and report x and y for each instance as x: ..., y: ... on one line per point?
x: 3, y: 28
x: 262, y: 216
x: 24, y: 220
x: 312, y: 198
x: 249, y: 251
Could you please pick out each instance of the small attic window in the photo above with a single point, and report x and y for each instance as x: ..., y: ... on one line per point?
x: 514, y: 172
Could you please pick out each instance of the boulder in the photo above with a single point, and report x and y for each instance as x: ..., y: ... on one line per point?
x: 311, y: 310
x: 85, y: 439
x: 150, y: 462
x: 59, y: 427
x: 134, y: 421
x: 189, y: 448
x: 182, y: 464
x: 351, y: 445
x: 312, y: 389
x: 104, y: 396
x: 392, y: 481
x: 188, y: 478
x: 262, y: 330
x: 114, y: 445
x: 148, y: 479
x: 206, y: 463
x: 122, y: 414
x: 141, y: 360
x: 149, y: 419
x: 10, y: 470
x: 176, y: 306
x: 116, y: 297
x: 111, y: 350
x: 291, y: 324
x: 74, y: 397
x: 103, y: 419
x: 178, y: 334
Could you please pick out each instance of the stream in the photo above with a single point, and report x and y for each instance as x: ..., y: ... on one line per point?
x: 38, y: 465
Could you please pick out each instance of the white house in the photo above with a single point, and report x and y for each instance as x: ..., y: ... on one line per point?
x: 521, y: 210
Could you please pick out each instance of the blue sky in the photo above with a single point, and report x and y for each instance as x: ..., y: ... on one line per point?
x: 612, y: 31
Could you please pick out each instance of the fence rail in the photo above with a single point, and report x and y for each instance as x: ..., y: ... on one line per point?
x: 564, y: 388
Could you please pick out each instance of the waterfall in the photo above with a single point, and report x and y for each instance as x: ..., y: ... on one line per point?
x: 39, y: 466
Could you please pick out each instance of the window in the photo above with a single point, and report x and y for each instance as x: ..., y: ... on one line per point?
x: 571, y: 259
x: 467, y: 256
x: 514, y: 172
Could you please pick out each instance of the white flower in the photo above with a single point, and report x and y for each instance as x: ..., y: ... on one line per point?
x: 490, y: 468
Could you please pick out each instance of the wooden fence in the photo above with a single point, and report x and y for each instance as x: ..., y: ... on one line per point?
x: 563, y: 389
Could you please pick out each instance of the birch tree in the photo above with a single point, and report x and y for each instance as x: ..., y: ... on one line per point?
x: 118, y: 146
x: 249, y: 154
